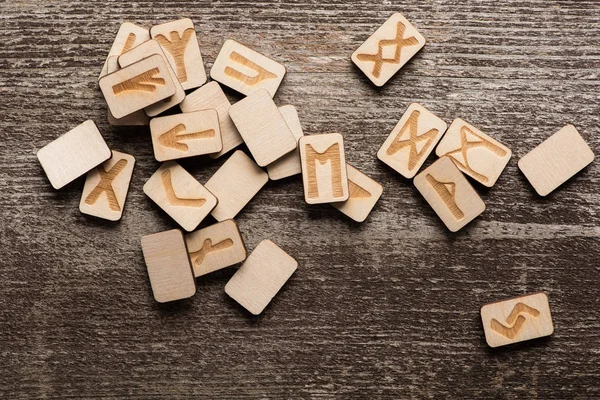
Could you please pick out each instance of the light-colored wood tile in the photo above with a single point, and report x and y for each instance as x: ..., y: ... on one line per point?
x: 412, y: 140
x: 262, y: 127
x: 186, y: 135
x: 474, y: 153
x: 180, y: 195
x: 289, y: 164
x: 517, y: 319
x: 212, y: 96
x: 180, y: 44
x: 556, y: 160
x: 237, y: 181
x: 215, y: 247
x: 261, y: 276
x: 364, y: 194
x: 128, y: 37
x: 168, y: 266
x: 324, y: 172
x: 145, y: 50
x: 138, y: 118
x: 449, y: 194
x: 106, y: 187
x: 246, y: 70
x: 388, y: 49
x: 73, y: 154
x: 137, y: 86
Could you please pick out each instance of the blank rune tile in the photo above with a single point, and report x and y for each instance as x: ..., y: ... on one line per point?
x: 215, y: 247
x: 73, y: 154
x: 556, y: 160
x: 517, y: 319
x: 262, y: 127
x: 237, y: 181
x: 106, y: 187
x: 412, y: 140
x: 364, y: 194
x: 449, y: 194
x: 261, y: 276
x: 289, y: 164
x: 168, y: 266
x: 180, y: 195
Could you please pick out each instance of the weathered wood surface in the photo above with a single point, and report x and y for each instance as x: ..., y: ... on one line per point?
x: 387, y: 308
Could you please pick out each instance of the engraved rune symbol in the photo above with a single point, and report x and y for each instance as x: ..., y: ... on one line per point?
x: 176, y: 46
x: 174, y: 137
x: 515, y: 320
x: 172, y: 197
x: 399, y: 41
x: 413, y: 141
x: 331, y: 155
x: 356, y: 192
x: 129, y: 43
x: 197, y: 257
x: 105, y: 185
x: 261, y: 73
x: 466, y: 145
x: 447, y: 192
x: 145, y: 82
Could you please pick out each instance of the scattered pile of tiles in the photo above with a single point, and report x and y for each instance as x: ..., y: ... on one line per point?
x: 147, y: 73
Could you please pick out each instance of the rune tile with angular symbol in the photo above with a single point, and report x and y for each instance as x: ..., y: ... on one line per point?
x: 128, y: 37
x: 364, y: 194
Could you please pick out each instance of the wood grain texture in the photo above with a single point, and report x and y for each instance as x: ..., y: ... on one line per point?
x: 384, y: 309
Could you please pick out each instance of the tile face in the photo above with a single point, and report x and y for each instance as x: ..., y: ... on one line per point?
x: 449, y: 194
x: 137, y: 86
x: 517, y: 319
x: 245, y: 70
x: 261, y: 276
x: 388, y: 49
x: 168, y: 266
x: 556, y: 160
x: 324, y: 168
x: 106, y: 187
x: 147, y: 49
x: 212, y: 96
x: 364, y: 194
x: 73, y: 154
x: 263, y: 128
x: 180, y: 195
x: 185, y: 135
x: 180, y: 44
x: 289, y: 164
x: 128, y: 37
x: 412, y: 140
x: 138, y: 118
x: 215, y: 247
x: 474, y: 153
x: 237, y: 181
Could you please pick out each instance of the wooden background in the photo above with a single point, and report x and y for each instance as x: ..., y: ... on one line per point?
x: 388, y: 308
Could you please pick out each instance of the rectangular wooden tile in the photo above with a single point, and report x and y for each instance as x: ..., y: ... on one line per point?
x: 364, y: 194
x: 106, y: 187
x: 138, y: 118
x: 261, y: 276
x: 215, y: 247
x: 289, y: 164
x: 262, y: 127
x: 168, y: 266
x: 180, y: 44
x: 474, y: 153
x: 73, y: 154
x: 412, y: 140
x: 145, y: 50
x: 517, y: 319
x: 212, y: 96
x: 186, y: 135
x: 324, y: 172
x: 137, y: 86
x: 237, y: 181
x: 128, y: 37
x: 388, y: 49
x: 449, y: 194
x: 556, y: 160
x: 246, y: 70
x: 180, y: 195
